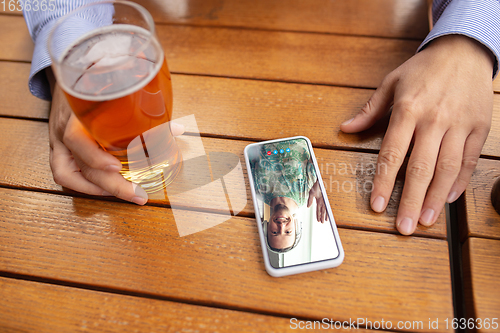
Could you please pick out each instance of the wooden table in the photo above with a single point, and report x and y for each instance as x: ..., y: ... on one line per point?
x: 247, y: 70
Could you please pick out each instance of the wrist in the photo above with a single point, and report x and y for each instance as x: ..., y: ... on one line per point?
x: 467, y: 49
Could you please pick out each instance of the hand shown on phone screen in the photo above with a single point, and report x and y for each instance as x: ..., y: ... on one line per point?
x: 315, y: 193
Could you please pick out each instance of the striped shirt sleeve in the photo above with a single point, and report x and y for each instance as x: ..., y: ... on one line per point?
x: 477, y: 19
x: 40, y: 24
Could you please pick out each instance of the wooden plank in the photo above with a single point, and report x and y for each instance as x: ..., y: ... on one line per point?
x: 334, y: 59
x: 481, y: 258
x: 269, y: 110
x: 256, y: 108
x: 338, y: 60
x: 17, y: 100
x: 385, y: 18
x: 41, y: 307
x: 347, y: 176
x: 283, y: 56
x: 477, y: 216
x: 491, y: 145
x: 15, y: 39
x: 122, y: 246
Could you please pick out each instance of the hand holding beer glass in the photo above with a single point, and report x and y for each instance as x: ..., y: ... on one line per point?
x: 111, y: 67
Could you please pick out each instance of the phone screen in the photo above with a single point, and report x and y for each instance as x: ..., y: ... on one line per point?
x: 291, y: 203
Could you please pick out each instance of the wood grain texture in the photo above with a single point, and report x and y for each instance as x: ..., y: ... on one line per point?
x: 477, y: 216
x: 122, y: 246
x: 41, y: 307
x: 338, y: 60
x: 491, y: 145
x: 481, y: 265
x: 288, y: 56
x: 258, y: 109
x: 347, y: 177
x: 386, y: 18
x: 15, y: 39
x: 283, y: 56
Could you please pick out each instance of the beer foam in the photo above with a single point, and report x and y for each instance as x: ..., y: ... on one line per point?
x: 108, y: 51
x: 112, y: 49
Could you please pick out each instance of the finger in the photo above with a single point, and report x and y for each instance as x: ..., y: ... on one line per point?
x: 310, y: 200
x: 376, y: 107
x: 83, y: 146
x: 324, y: 216
x: 447, y: 169
x: 472, y: 151
x: 318, y: 211
x: 390, y: 158
x: 114, y: 184
x: 67, y: 173
x: 177, y: 129
x: 419, y: 174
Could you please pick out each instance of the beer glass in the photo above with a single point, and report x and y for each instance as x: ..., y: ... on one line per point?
x: 109, y: 63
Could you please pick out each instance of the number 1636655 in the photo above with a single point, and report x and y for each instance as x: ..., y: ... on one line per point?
x: 28, y: 5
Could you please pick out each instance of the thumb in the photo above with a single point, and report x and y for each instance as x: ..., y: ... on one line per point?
x: 376, y: 107
x: 176, y: 128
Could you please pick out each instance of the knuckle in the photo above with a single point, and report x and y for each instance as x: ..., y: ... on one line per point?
x: 420, y: 169
x: 411, y: 202
x: 390, y: 156
x: 469, y: 163
x: 406, y: 107
x: 368, y: 107
x: 448, y: 165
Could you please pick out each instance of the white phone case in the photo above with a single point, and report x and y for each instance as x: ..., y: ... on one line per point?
x: 304, y: 267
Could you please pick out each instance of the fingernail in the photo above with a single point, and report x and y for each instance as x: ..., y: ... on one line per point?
x: 113, y: 168
x: 378, y: 204
x: 452, y: 197
x: 427, y: 217
x: 141, y: 196
x: 406, y: 226
x: 140, y: 201
x: 177, y: 129
x: 347, y: 122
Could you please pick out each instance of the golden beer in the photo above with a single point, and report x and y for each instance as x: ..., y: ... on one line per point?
x: 122, y: 94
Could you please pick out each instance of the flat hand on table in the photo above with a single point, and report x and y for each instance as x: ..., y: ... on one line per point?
x: 77, y: 161
x: 443, y: 101
x: 315, y: 193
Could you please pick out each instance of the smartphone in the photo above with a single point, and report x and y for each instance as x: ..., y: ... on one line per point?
x: 295, y: 222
